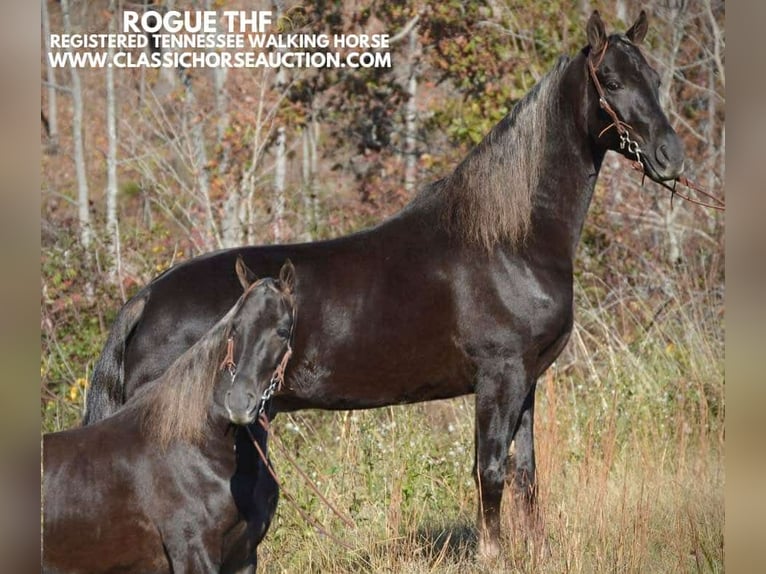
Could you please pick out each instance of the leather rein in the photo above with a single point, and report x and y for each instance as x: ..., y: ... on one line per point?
x: 275, y: 384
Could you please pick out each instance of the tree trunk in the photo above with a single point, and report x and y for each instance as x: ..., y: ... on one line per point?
x: 411, y: 115
x: 280, y: 172
x: 232, y: 231
x: 194, y: 129
x: 280, y: 161
x: 677, y: 24
x: 53, y: 124
x: 716, y: 145
x: 112, y: 226
x: 221, y: 106
x: 261, y: 131
x: 83, y: 197
x: 309, y: 172
x: 410, y: 32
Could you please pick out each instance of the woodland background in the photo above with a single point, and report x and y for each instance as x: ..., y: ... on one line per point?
x: 145, y: 168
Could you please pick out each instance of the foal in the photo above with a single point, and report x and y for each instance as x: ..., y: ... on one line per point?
x: 153, y: 488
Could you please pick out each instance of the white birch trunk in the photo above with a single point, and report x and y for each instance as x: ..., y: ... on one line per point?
x: 221, y: 104
x: 313, y: 172
x: 232, y: 232
x: 677, y: 25
x: 411, y: 114
x: 194, y: 126
x: 280, y: 172
x: 410, y: 32
x: 309, y: 172
x: 249, y: 177
x: 83, y: 197
x: 231, y: 223
x: 112, y: 226
x: 280, y: 161
x: 306, y: 177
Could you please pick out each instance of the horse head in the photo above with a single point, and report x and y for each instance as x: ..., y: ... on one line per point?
x: 625, y: 113
x: 258, y: 345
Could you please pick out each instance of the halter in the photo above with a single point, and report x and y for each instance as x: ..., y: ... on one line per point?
x: 617, y: 123
x: 277, y: 377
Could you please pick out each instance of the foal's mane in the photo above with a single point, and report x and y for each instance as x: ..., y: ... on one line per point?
x: 489, y: 196
x: 175, y: 406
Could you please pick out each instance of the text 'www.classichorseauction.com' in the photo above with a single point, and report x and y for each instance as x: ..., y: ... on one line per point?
x: 208, y: 39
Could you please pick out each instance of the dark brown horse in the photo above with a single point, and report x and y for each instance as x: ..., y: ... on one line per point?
x: 153, y: 488
x: 467, y: 290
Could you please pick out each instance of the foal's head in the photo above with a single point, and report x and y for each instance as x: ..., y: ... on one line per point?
x: 630, y: 86
x: 234, y: 363
x: 258, y: 344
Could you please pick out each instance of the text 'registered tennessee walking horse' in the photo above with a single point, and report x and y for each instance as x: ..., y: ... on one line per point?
x: 466, y: 290
x: 153, y: 487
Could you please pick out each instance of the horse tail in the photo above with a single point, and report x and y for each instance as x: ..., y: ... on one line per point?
x: 107, y: 384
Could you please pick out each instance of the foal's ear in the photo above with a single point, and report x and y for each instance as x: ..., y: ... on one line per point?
x: 638, y: 29
x: 287, y: 276
x: 596, y: 33
x: 244, y: 274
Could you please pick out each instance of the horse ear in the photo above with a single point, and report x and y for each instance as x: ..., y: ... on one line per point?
x: 287, y: 276
x: 596, y: 33
x: 638, y: 29
x: 244, y: 274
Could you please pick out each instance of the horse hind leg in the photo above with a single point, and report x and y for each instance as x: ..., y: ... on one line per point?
x: 521, y: 479
x: 521, y: 471
x: 501, y: 391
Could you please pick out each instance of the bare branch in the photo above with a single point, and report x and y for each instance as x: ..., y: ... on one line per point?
x: 401, y: 34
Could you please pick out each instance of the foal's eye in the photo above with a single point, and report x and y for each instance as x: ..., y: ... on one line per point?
x: 283, y: 333
x: 612, y: 86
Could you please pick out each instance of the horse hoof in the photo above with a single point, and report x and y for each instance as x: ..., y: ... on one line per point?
x: 489, y: 549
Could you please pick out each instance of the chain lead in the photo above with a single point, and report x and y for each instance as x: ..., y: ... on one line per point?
x: 266, y: 396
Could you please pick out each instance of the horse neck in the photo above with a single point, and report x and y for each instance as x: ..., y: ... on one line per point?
x: 220, y: 429
x: 570, y: 166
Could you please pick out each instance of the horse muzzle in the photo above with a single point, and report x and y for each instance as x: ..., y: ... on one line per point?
x: 665, y: 161
x: 241, y: 406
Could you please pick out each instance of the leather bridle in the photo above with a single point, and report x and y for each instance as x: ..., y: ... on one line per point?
x: 621, y: 126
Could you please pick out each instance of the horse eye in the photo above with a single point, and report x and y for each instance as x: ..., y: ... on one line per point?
x: 612, y: 86
x: 283, y: 333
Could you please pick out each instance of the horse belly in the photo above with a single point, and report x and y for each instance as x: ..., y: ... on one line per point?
x: 379, y: 375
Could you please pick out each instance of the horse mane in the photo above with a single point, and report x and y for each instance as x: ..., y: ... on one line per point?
x: 489, y: 196
x: 175, y: 406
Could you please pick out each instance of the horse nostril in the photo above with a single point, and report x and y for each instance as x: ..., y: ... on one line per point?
x: 663, y: 158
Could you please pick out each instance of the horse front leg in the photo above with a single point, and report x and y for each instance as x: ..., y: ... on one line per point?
x: 501, y: 390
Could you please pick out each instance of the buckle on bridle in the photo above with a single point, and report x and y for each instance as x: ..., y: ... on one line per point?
x: 228, y: 361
